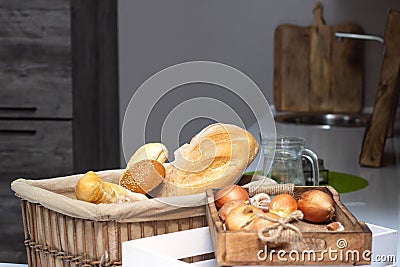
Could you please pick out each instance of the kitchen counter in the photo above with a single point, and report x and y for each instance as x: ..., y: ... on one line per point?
x: 340, y: 147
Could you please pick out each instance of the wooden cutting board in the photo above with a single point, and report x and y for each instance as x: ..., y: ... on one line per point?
x: 316, y: 72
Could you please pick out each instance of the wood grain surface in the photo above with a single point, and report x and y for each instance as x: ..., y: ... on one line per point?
x: 314, y: 71
x: 35, y: 105
x: 320, y: 60
x: 58, y: 97
x: 386, y: 98
x: 291, y: 85
x: 241, y: 247
x: 95, y: 84
x: 34, y: 149
x: 35, y: 56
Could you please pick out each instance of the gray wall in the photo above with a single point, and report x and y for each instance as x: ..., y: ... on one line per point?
x: 155, y: 34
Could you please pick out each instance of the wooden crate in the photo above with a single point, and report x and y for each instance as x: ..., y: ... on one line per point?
x: 318, y: 246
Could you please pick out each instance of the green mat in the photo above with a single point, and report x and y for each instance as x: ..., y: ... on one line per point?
x: 345, y: 183
x: 342, y: 182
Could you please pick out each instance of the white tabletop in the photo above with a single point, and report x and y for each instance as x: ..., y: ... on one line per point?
x: 165, y: 250
x: 340, y: 148
x: 2, y: 264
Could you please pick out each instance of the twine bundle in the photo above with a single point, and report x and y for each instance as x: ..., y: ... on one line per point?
x: 282, y: 230
x: 270, y: 189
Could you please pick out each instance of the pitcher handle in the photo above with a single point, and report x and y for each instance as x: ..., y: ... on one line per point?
x: 312, y: 157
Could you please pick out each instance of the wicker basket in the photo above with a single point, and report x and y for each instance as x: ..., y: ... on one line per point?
x: 56, y: 238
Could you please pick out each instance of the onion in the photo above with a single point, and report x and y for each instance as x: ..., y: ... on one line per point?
x: 230, y: 192
x: 240, y: 217
x: 317, y: 206
x: 283, y: 205
x: 335, y: 226
x: 259, y: 223
x: 227, y: 207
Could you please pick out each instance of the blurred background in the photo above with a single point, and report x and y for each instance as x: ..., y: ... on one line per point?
x: 154, y: 35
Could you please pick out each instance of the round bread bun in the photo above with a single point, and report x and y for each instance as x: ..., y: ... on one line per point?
x: 142, y: 176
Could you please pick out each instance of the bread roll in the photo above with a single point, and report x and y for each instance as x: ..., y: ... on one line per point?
x: 144, y: 170
x: 142, y: 176
x: 150, y: 151
x: 92, y: 189
x: 217, y: 156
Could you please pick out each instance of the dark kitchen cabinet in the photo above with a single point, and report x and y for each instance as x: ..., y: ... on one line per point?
x: 34, y: 149
x: 35, y: 105
x: 58, y: 98
x: 35, y: 89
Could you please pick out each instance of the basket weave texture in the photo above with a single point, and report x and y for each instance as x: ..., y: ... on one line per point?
x: 62, y: 231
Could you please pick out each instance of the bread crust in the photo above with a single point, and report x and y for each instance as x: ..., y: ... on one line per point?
x: 217, y: 156
x: 150, y: 151
x: 142, y: 176
x: 144, y: 170
x: 92, y: 189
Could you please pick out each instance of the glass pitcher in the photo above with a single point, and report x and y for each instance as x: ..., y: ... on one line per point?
x: 287, y: 161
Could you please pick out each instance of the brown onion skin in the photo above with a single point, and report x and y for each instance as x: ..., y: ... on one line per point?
x: 259, y: 223
x: 317, y: 206
x: 240, y: 217
x: 283, y: 205
x: 227, y: 207
x: 229, y: 193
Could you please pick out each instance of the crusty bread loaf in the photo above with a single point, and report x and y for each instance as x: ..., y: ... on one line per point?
x: 217, y: 156
x: 92, y: 189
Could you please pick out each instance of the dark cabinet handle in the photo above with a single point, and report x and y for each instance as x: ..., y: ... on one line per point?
x: 17, y: 109
x: 17, y: 131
